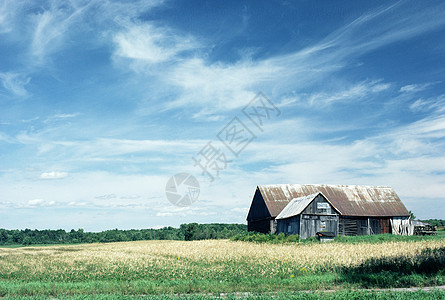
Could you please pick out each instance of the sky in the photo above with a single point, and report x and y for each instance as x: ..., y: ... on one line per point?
x: 102, y: 102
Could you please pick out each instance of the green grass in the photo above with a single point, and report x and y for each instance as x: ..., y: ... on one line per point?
x: 99, y: 277
x: 337, y: 295
x: 382, y: 238
x: 371, y: 239
x: 33, y: 245
x: 425, y: 268
x: 156, y: 287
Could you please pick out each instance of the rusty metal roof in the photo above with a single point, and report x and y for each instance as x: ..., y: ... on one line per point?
x: 296, y: 206
x: 349, y: 200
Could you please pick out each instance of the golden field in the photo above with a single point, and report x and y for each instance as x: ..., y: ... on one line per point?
x: 195, y: 259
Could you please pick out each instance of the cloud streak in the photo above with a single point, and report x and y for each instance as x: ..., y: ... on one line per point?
x: 15, y: 84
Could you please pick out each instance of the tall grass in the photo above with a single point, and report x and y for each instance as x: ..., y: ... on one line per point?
x: 158, y: 267
x: 338, y: 295
x: 294, y: 238
x: 400, y: 270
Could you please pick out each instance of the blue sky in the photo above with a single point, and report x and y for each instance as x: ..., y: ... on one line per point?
x: 102, y: 101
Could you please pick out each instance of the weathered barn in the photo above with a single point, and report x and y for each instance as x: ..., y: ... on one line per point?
x: 308, y: 215
x: 361, y: 209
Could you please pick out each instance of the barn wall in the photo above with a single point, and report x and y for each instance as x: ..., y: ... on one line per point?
x: 313, y: 208
x: 385, y: 225
x: 313, y: 219
x: 289, y: 225
x: 311, y: 224
x: 262, y: 226
x: 316, y: 218
x: 363, y: 225
x: 258, y: 209
x: 259, y: 217
x: 353, y: 226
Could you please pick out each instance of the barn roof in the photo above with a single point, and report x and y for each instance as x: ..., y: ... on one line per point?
x: 349, y: 200
x: 296, y: 206
x: 419, y: 223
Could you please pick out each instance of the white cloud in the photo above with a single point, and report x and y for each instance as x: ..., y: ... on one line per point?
x: 243, y: 210
x: 58, y: 117
x: 53, y: 175
x: 4, y: 137
x: 217, y: 86
x: 194, y: 80
x: 151, y: 44
x: 174, y: 211
x: 65, y: 116
x: 414, y: 88
x: 354, y: 93
x: 15, y: 83
x: 8, y: 11
x: 436, y: 104
x: 86, y: 189
x: 35, y: 203
x: 51, y: 26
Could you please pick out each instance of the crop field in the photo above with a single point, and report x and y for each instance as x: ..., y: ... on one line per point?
x: 217, y: 266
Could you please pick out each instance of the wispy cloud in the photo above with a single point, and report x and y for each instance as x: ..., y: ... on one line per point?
x: 353, y: 93
x: 216, y: 86
x: 59, y: 117
x: 50, y: 27
x: 414, y: 88
x: 53, y: 175
x: 15, y: 84
x: 37, y: 203
x: 4, y: 137
x: 436, y: 104
x: 345, y: 118
x: 151, y: 44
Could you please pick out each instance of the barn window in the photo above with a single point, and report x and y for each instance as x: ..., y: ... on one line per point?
x: 289, y: 228
x: 323, y: 208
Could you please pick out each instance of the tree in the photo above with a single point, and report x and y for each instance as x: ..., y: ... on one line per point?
x: 27, y: 241
x: 411, y: 215
x: 191, y: 231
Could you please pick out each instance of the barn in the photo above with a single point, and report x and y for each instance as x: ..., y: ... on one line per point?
x: 342, y: 209
x: 308, y: 215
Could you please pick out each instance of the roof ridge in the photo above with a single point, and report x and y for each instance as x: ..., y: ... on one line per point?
x: 349, y: 200
x: 324, y: 184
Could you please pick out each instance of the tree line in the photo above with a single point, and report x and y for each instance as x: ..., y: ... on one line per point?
x: 435, y: 222
x: 186, y: 232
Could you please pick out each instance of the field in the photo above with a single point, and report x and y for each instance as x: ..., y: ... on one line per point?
x: 220, y: 266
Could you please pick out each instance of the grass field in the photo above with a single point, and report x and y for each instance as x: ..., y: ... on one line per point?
x: 221, y: 266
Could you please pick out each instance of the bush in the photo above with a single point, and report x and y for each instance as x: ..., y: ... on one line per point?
x: 400, y: 270
x: 266, y: 238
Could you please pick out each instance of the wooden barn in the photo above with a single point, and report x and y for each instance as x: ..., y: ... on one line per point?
x: 341, y: 209
x: 308, y: 215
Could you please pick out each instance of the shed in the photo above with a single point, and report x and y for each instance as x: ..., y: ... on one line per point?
x: 362, y: 209
x: 325, y: 236
x: 308, y: 215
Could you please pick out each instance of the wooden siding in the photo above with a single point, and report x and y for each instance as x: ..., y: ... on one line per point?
x: 289, y: 225
x: 311, y: 224
x: 258, y: 209
x: 385, y: 226
x: 262, y: 226
x: 259, y: 217
x: 313, y: 219
x: 363, y: 226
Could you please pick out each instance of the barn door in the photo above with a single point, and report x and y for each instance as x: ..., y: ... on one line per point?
x: 385, y: 226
